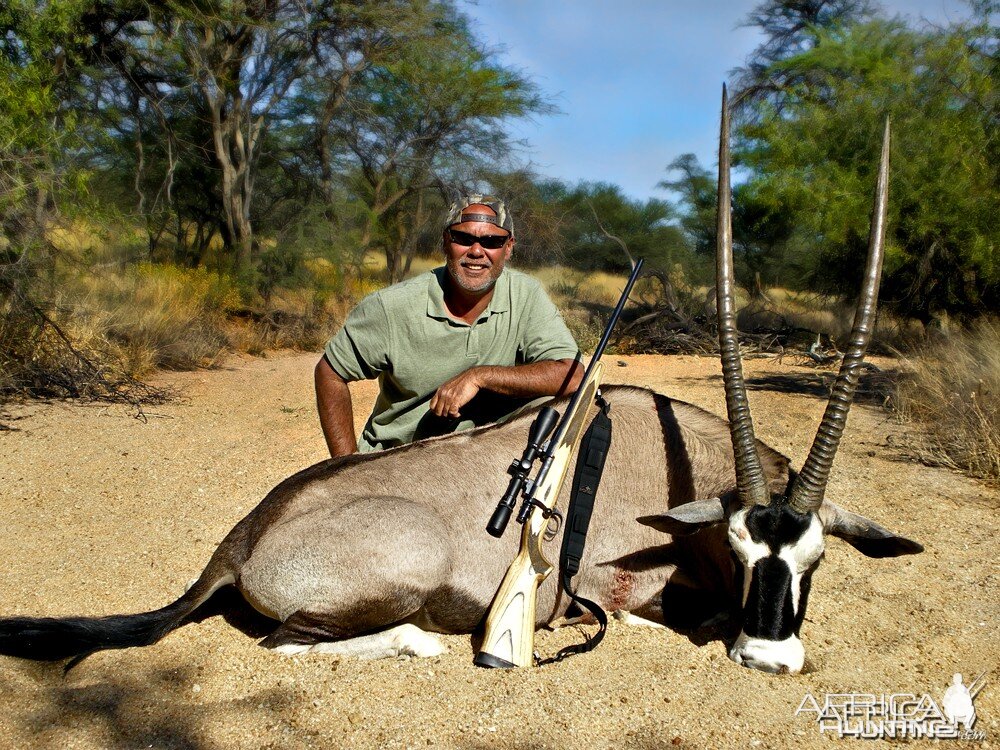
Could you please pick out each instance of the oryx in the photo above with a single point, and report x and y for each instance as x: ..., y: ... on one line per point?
x: 365, y: 554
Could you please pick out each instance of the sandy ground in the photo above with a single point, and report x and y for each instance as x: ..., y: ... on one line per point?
x: 104, y: 513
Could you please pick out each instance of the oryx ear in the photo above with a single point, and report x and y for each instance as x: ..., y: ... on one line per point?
x: 865, y: 535
x: 687, y: 518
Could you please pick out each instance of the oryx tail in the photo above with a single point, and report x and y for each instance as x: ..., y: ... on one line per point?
x: 57, y: 638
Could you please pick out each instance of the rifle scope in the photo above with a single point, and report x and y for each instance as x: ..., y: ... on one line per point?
x: 519, y: 469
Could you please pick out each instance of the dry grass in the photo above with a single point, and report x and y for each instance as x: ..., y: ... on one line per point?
x: 164, y: 316
x: 99, y: 332
x: 833, y: 318
x: 55, y: 354
x: 954, y: 392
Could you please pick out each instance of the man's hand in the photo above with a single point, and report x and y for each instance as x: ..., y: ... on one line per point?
x: 449, y: 399
x: 549, y: 378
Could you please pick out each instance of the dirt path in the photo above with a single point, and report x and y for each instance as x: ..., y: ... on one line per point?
x: 103, y: 513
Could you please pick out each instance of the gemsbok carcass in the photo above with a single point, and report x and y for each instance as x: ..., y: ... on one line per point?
x: 365, y: 555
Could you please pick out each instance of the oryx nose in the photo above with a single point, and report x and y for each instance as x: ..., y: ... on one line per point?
x: 776, y: 657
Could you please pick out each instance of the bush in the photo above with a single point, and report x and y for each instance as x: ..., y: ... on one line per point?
x: 50, y: 352
x: 167, y: 316
x: 954, y: 390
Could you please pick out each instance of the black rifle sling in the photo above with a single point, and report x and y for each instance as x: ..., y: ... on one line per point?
x: 586, y: 479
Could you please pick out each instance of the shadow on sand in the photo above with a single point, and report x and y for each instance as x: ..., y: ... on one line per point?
x: 127, y: 710
x: 875, y: 388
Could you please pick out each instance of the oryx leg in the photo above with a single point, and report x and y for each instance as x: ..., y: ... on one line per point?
x: 565, y: 622
x: 303, y: 633
x: 621, y: 615
x: 627, y: 618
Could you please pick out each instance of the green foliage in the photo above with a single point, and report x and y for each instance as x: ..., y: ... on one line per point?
x: 40, y: 55
x: 642, y: 226
x: 697, y: 189
x: 597, y: 219
x: 428, y: 117
x: 760, y: 229
x: 539, y: 214
x: 790, y: 27
x: 813, y: 161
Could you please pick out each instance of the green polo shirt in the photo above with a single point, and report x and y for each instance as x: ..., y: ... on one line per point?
x: 403, y: 336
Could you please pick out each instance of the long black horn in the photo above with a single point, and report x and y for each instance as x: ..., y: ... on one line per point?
x: 807, y: 492
x: 750, y: 482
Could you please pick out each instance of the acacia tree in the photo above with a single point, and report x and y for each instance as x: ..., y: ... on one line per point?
x: 539, y: 208
x: 431, y: 116
x: 815, y: 159
x: 244, y: 58
x: 598, y: 218
x: 45, y: 58
x: 156, y: 133
x: 696, y: 187
x: 790, y: 28
x: 761, y: 231
x: 190, y: 90
x: 349, y: 39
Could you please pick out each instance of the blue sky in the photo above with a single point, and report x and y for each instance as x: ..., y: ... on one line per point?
x: 637, y: 81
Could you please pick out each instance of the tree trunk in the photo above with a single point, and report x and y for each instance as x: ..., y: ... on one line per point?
x: 414, y: 230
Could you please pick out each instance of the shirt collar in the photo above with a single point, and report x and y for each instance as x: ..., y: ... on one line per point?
x: 499, y: 303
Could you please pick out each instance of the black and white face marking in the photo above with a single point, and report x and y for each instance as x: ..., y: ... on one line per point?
x: 778, y: 550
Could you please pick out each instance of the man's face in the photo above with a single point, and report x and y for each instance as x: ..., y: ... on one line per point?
x: 475, y: 268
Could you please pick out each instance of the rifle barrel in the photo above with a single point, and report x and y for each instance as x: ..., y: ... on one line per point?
x: 598, y: 352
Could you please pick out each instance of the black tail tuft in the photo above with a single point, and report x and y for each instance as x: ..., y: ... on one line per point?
x: 57, y: 638
x: 54, y: 639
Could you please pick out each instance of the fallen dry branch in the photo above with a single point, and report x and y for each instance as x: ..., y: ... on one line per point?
x: 665, y: 328
x: 40, y: 360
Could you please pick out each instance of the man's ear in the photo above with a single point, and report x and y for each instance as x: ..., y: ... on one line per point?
x: 865, y: 535
x: 510, y: 248
x: 687, y: 518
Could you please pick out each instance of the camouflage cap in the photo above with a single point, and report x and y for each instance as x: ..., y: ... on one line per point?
x: 503, y: 219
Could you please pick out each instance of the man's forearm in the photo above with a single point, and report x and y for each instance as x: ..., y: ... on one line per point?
x: 336, y: 414
x: 551, y: 378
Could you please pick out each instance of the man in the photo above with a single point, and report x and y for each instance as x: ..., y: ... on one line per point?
x: 457, y: 347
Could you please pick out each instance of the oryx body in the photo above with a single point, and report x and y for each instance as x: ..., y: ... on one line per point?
x: 372, y: 541
x: 362, y: 555
x: 362, y: 544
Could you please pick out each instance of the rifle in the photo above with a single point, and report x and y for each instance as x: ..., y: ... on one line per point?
x: 510, y: 623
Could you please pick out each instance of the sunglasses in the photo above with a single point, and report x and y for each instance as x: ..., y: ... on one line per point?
x: 487, y: 241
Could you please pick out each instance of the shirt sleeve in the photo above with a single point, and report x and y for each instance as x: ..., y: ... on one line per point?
x: 360, y: 350
x: 545, y: 335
